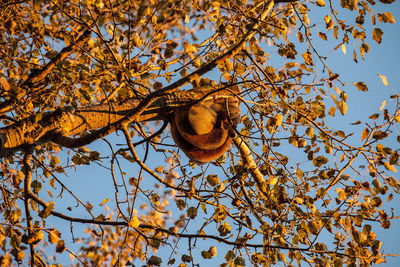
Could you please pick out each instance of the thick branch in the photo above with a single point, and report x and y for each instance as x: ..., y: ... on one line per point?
x: 248, y: 161
x: 101, y: 119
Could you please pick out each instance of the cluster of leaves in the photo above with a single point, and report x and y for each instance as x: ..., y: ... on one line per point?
x: 324, y: 189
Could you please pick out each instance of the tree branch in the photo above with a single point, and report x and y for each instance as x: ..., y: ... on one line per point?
x: 36, y: 76
x: 105, y: 119
x: 27, y: 188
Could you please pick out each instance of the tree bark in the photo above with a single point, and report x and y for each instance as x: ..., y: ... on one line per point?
x: 93, y: 122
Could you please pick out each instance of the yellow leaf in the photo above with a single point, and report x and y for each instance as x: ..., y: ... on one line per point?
x: 272, y: 180
x: 189, y: 48
x: 4, y: 84
x: 380, y: 260
x: 383, y: 105
x: 342, y: 107
x: 279, y: 119
x: 104, y: 201
x: 384, y: 80
x: 320, y: 2
x: 54, y: 236
x: 341, y: 193
x: 159, y: 169
x: 364, y: 134
x: 308, y: 58
x: 343, y: 49
x: 389, y: 167
x: 334, y: 98
x: 389, y: 18
x: 134, y: 222
x: 332, y: 111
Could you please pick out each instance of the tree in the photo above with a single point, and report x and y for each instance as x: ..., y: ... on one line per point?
x: 293, y: 189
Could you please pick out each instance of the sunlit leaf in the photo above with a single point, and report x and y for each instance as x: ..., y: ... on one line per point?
x: 342, y: 107
x: 343, y: 47
x: 224, y: 229
x: 377, y: 35
x: 390, y: 167
x: 361, y: 86
x: 134, y: 222
x: 384, y: 80
x: 104, y: 201
x: 365, y: 134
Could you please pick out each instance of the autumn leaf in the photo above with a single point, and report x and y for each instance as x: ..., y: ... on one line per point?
x: 192, y: 212
x: 319, y: 161
x: 206, y: 254
x: 154, y: 261
x: 389, y: 167
x: 53, y: 236
x: 104, y: 201
x: 308, y: 58
x: 384, y: 80
x: 342, y: 107
x: 322, y: 36
x: 349, y: 4
x: 213, y: 251
x: 134, y: 222
x: 272, y: 180
x: 224, y: 229
x: 60, y: 246
x: 377, y: 35
x: 190, y: 49
x: 213, y: 180
x: 343, y: 47
x: 387, y: 17
x: 364, y: 134
x: 361, y: 86
x: 4, y: 84
x: 378, y: 135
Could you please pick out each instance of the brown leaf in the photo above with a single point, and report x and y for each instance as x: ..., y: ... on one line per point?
x: 361, y: 86
x: 322, y: 36
x: 377, y: 35
x: 60, y: 246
